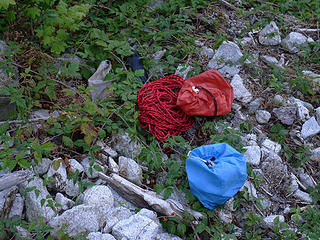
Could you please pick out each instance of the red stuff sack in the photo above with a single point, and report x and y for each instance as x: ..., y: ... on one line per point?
x: 207, y: 94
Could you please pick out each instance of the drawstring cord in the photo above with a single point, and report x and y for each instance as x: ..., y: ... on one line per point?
x: 207, y: 162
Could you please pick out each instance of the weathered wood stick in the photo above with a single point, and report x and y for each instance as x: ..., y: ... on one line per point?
x: 14, y: 178
x: 145, y: 198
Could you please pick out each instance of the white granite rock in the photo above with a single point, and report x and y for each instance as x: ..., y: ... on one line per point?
x: 293, y: 42
x: 166, y: 236
x: 253, y: 155
x: 123, y: 144
x: 98, y: 195
x: 90, y: 171
x: 286, y: 115
x: 100, y: 236
x: 227, y: 59
x: 269, y: 220
x: 65, y: 203
x: 270, y: 146
x: 239, y: 90
x: 315, y: 154
x: 59, y: 174
x: 107, y: 150
x: 33, y: 204
x: 130, y: 170
x: 225, y: 216
x: 42, y: 167
x: 71, y: 189
x: 263, y: 116
x: 310, y: 128
x: 75, y: 165
x: 270, y: 35
x: 116, y: 215
x: 303, y: 196
x: 206, y: 52
x: 278, y: 100
x: 80, y: 219
x: 183, y: 71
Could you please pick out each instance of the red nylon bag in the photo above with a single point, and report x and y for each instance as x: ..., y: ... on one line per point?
x: 207, y: 94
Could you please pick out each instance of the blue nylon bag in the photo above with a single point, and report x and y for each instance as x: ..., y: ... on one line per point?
x: 216, y: 173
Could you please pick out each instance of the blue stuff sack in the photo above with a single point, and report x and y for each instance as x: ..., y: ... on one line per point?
x: 216, y: 173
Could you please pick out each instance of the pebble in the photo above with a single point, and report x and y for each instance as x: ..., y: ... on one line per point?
x: 310, y: 128
x: 263, y: 116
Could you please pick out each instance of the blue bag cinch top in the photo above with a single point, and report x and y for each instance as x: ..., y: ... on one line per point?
x: 216, y: 173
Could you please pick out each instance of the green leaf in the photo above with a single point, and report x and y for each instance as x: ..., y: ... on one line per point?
x: 4, y: 128
x: 159, y: 188
x: 90, y: 107
x: 102, y: 133
x: 181, y: 229
x: 24, y: 163
x: 42, y: 202
x: 139, y: 73
x: 167, y: 192
x: 4, y: 4
x: 67, y: 141
x: 56, y: 164
x: 33, y: 12
x: 48, y: 146
x: 98, y: 168
x: 200, y: 228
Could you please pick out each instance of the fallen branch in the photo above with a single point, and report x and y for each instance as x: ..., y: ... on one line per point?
x: 8, y: 203
x: 146, y: 199
x: 14, y: 178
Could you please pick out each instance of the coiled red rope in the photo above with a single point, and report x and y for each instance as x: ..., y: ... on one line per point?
x: 159, y: 112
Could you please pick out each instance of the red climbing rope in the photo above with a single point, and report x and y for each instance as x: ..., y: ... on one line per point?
x: 158, y: 109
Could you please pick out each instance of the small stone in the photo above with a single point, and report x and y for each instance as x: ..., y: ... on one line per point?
x: 265, y: 203
x: 253, y: 155
x: 269, y: 220
x: 318, y: 114
x: 116, y: 215
x: 136, y: 227
x: 80, y: 219
x: 100, y: 236
x: 303, y: 196
x: 34, y: 208
x: 23, y: 233
x: 227, y: 59
x: 270, y: 35
x: 44, y: 114
x: 278, y: 100
x: 294, y: 42
x: 42, y: 167
x: 286, y: 115
x: 240, y: 92
x: 315, y: 78
x: 72, y: 190
x: 263, y: 116
x: 198, y: 43
x: 166, y: 236
x: 229, y: 205
x: 251, y: 189
x: 158, y: 55
x: 293, y: 184
x: 255, y: 105
x: 183, y: 71
x: 246, y: 41
x: 75, y: 165
x: 65, y: 203
x: 90, y: 171
x: 59, y: 175
x: 305, y: 178
x: 236, y: 107
x: 225, y: 216
x: 206, y: 52
x: 106, y: 150
x: 123, y: 144
x: 315, y: 154
x: 302, y: 111
x: 17, y: 206
x: 251, y: 139
x: 269, y: 60
x: 270, y: 146
x: 130, y: 169
x: 310, y: 128
x: 98, y: 195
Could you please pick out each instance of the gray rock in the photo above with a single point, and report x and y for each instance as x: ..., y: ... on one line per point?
x: 227, y: 59
x: 315, y: 154
x: 44, y: 114
x: 114, y: 216
x: 313, y: 76
x: 253, y: 155
x: 183, y: 71
x: 23, y: 233
x: 318, y: 114
x: 130, y: 170
x: 293, y: 183
x: 75, y: 165
x: 255, y: 105
x: 265, y: 203
x: 294, y: 41
x: 65, y: 203
x: 33, y: 200
x: 269, y: 220
x: 136, y: 227
x: 294, y: 101
x: 270, y: 35
x: 239, y: 90
x: 310, y: 128
x: 17, y: 206
x: 71, y: 189
x: 270, y: 146
x: 149, y: 214
x: 206, y: 52
x: 119, y: 201
x: 236, y: 107
x: 90, y: 171
x: 269, y: 60
x: 251, y: 189
x: 59, y: 175
x: 3, y: 47
x: 286, y: 115
x: 278, y: 100
x: 98, y: 195
x: 305, y: 178
x: 125, y: 146
x: 158, y: 55
x: 263, y: 116
x: 166, y: 236
x: 250, y: 139
x: 225, y: 216
x: 106, y: 150
x: 246, y: 41
x: 6, y: 108
x: 42, y: 167
x: 100, y: 236
x: 80, y: 219
x: 303, y: 196
x: 302, y: 111
x: 229, y: 205
x: 198, y: 43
